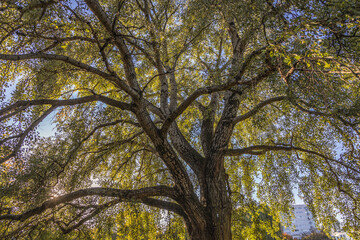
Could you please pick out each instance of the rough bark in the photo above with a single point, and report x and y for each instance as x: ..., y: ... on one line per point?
x: 214, y: 222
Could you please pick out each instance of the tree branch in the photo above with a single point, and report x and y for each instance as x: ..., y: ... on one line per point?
x: 327, y: 115
x: 185, y: 150
x: 188, y: 101
x: 96, y: 211
x: 262, y: 149
x: 170, y: 206
x: 58, y: 103
x: 207, y: 124
x: 129, y: 67
x: 123, y: 195
x: 115, y: 80
x: 257, y: 108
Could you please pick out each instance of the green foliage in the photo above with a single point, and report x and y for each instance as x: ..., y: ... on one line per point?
x: 255, y: 221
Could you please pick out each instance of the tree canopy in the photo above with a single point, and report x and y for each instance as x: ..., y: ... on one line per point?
x: 177, y: 118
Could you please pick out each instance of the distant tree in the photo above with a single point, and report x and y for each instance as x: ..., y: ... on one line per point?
x: 173, y: 116
x: 316, y: 236
x: 287, y: 236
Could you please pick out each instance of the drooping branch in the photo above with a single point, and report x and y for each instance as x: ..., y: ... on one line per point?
x: 335, y: 115
x: 41, y: 4
x: 152, y: 202
x: 97, y: 209
x: 22, y: 105
x: 13, y: 113
x: 115, y: 80
x: 123, y: 195
x: 169, y: 206
x: 23, y: 135
x: 46, y: 56
x: 107, y: 125
x: 262, y: 149
x: 257, y: 108
x: 60, y: 40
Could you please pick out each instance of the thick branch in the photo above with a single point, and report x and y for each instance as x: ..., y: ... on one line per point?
x: 98, y: 191
x: 129, y: 67
x: 185, y: 150
x: 174, y: 89
x: 68, y: 102
x: 226, y: 124
x: 115, y: 80
x: 207, y: 124
x: 170, y: 206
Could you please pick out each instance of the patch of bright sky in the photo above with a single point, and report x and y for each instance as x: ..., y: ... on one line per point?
x: 46, y: 128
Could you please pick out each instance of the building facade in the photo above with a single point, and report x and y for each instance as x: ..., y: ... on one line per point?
x: 302, y: 224
x: 340, y: 236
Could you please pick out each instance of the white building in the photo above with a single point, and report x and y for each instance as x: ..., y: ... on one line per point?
x: 340, y: 236
x: 302, y: 224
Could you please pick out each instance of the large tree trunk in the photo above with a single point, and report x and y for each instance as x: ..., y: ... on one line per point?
x: 216, y: 222
x: 215, y: 192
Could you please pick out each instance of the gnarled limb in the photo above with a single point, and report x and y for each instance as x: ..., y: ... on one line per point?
x: 123, y: 195
x: 22, y: 105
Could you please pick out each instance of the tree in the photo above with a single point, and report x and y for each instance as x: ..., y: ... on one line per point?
x: 196, y: 107
x: 316, y: 236
x: 287, y: 236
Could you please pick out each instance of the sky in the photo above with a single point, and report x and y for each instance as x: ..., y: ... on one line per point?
x: 47, y: 128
